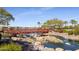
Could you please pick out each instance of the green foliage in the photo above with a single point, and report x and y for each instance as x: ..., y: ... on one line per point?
x: 10, y: 47
x: 55, y: 23
x: 70, y: 32
x: 76, y: 30
x: 59, y: 30
x: 65, y: 22
x: 73, y: 21
x: 5, y: 17
x: 65, y: 31
x: 67, y: 27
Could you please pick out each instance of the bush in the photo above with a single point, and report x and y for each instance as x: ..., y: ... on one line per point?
x: 70, y: 32
x: 59, y: 30
x: 76, y: 31
x: 65, y: 31
x: 10, y: 47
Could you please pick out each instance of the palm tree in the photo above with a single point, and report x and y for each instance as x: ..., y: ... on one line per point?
x: 65, y: 22
x: 5, y: 17
x: 73, y: 22
x: 54, y: 23
x: 39, y: 23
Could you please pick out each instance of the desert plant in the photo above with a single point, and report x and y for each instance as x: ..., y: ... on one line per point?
x: 10, y: 47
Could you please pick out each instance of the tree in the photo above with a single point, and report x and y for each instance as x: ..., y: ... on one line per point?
x: 73, y: 22
x: 5, y: 17
x: 53, y: 23
x: 39, y: 23
x: 65, y: 22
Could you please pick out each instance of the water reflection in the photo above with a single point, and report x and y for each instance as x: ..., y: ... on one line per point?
x: 67, y: 45
x: 64, y: 46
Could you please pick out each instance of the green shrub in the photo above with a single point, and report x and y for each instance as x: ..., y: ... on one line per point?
x: 10, y: 47
x: 76, y: 31
x: 59, y: 30
x: 70, y: 32
x: 65, y: 31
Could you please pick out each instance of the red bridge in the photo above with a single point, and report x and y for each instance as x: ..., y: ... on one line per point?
x: 27, y: 30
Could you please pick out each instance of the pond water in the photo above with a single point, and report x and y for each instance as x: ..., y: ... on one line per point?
x: 68, y: 46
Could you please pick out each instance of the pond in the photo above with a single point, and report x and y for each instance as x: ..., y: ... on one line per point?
x: 68, y: 46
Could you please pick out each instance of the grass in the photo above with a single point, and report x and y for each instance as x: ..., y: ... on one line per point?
x: 10, y: 47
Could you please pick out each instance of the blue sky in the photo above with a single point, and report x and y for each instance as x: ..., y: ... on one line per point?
x: 29, y: 16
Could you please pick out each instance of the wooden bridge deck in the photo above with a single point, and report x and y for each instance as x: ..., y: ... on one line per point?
x: 27, y: 30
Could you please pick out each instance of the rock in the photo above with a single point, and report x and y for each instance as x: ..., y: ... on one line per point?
x: 14, y: 38
x: 38, y: 46
x: 48, y: 49
x: 59, y: 49
x: 29, y: 40
x: 53, y: 39
x: 41, y: 47
x: 50, y: 39
x: 41, y: 39
x: 77, y: 50
x: 38, y: 43
x: 67, y: 50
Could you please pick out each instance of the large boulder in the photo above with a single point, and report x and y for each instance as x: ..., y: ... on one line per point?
x: 53, y: 39
x: 59, y: 49
x: 41, y: 39
x: 77, y: 50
